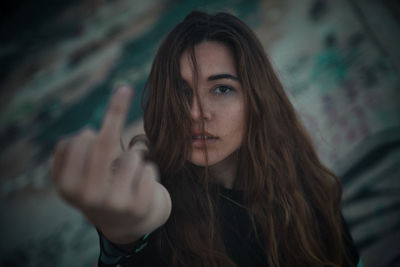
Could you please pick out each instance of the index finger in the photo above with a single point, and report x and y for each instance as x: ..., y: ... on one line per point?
x: 115, y: 115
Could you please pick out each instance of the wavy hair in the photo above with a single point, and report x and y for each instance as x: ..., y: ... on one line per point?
x: 293, y: 201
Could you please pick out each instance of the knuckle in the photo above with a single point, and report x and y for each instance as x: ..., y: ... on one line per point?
x: 68, y: 192
x: 116, y: 165
x: 151, y: 170
x: 117, y: 109
x: 88, y: 133
x: 116, y: 203
x: 90, y: 200
x: 87, y: 203
x: 102, y: 143
x: 136, y: 155
x: 128, y: 161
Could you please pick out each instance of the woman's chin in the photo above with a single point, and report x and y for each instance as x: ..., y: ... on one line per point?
x: 201, y: 161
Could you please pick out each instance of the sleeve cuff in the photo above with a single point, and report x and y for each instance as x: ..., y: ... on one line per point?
x: 111, y: 254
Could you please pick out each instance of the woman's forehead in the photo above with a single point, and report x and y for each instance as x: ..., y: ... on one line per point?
x: 211, y: 58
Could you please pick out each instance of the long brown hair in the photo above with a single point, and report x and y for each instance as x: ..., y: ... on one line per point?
x: 292, y: 200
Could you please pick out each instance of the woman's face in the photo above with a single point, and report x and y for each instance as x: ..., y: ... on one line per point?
x: 221, y: 98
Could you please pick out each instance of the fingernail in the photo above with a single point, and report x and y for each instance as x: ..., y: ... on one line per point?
x: 122, y: 89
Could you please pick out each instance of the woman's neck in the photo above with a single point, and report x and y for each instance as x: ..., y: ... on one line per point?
x: 225, y: 171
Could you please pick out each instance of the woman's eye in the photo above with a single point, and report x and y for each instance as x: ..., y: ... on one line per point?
x: 188, y: 92
x: 189, y: 95
x: 222, y: 89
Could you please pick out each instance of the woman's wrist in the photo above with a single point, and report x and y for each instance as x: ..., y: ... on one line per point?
x: 127, y: 247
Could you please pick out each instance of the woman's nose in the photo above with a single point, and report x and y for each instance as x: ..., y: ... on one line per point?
x: 199, y: 110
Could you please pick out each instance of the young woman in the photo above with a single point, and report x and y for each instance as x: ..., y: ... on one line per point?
x: 229, y: 178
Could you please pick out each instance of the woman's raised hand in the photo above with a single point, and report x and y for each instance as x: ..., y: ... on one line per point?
x: 124, y: 202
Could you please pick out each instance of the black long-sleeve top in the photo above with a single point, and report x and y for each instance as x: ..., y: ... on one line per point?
x: 237, y: 233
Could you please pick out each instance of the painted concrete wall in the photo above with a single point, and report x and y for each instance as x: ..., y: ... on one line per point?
x: 339, y: 62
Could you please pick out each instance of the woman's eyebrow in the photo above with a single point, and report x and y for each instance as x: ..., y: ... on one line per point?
x: 222, y: 76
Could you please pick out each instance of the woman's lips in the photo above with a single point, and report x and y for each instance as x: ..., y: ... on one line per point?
x: 203, y: 140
